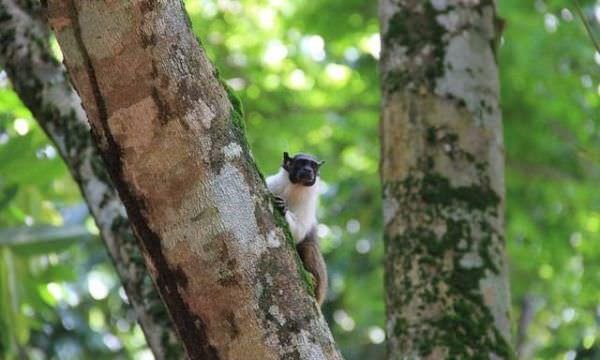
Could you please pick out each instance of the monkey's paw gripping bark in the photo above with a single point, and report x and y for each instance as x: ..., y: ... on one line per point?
x: 280, y: 204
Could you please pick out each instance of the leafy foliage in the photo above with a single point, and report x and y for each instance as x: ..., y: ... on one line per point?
x: 551, y: 102
x: 307, y: 75
x: 59, y: 297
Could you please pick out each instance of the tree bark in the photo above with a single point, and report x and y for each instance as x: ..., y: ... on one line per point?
x: 443, y: 181
x: 41, y: 83
x: 524, y: 348
x: 173, y: 140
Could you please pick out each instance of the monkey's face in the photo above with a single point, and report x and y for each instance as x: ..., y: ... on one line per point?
x: 303, y: 168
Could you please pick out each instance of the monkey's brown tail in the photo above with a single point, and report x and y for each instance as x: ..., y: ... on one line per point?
x: 313, y: 261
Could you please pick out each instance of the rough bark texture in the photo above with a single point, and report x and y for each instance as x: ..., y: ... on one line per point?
x: 41, y: 83
x: 174, y: 145
x: 442, y: 173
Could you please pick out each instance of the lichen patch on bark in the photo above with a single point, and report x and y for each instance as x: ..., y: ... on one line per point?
x: 232, y: 151
x: 236, y: 208
x: 470, y: 69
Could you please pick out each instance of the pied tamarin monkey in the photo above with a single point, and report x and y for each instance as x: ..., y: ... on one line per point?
x: 296, y: 191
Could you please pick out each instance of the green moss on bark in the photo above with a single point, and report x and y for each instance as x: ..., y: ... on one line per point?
x: 436, y: 189
x: 427, y: 44
x: 239, y: 129
x: 416, y: 30
x: 465, y: 325
x: 237, y: 112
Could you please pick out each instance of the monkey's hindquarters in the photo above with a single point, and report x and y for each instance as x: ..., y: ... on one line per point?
x: 313, y: 261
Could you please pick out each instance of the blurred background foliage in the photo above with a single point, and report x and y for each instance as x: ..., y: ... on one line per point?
x: 307, y: 74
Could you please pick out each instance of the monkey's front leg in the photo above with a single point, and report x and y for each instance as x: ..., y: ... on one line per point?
x: 280, y: 205
x: 296, y: 228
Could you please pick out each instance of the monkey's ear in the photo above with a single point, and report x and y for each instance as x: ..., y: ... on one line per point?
x: 286, y: 160
x: 319, y: 163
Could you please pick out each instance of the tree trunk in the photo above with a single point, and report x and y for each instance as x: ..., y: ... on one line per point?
x: 41, y: 83
x: 174, y: 144
x: 442, y: 170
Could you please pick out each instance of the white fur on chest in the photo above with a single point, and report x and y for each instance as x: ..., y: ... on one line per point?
x: 301, y: 200
x: 301, y: 203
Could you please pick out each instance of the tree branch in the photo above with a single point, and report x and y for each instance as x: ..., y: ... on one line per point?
x: 41, y: 83
x: 587, y: 26
x: 173, y: 141
x: 528, y: 309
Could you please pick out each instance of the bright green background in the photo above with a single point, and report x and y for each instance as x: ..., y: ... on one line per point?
x: 306, y: 72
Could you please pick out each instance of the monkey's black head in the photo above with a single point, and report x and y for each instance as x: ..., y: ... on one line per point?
x: 303, y: 168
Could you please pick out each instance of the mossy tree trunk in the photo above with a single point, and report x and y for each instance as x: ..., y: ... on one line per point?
x: 173, y: 142
x: 42, y: 85
x: 442, y: 169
